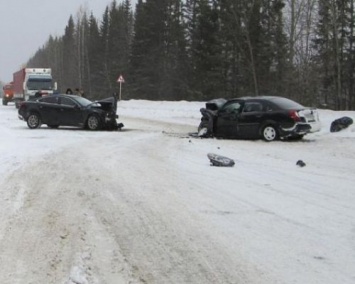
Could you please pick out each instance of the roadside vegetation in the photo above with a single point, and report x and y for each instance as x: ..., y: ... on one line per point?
x: 203, y: 49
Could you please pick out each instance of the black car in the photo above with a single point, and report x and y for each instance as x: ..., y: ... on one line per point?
x: 265, y: 117
x: 70, y: 110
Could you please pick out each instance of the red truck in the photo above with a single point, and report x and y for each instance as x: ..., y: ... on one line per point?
x: 8, y: 93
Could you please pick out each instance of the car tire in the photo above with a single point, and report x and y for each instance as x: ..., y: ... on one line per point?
x: 269, y: 133
x: 4, y: 103
x: 93, y: 122
x: 34, y: 121
x: 52, y: 126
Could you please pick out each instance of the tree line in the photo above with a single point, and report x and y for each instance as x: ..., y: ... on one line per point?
x: 198, y: 50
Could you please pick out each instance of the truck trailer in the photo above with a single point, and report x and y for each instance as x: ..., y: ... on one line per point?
x: 28, y: 83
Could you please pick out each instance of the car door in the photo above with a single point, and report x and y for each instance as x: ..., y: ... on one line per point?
x: 48, y: 109
x: 227, y: 121
x: 70, y: 112
x: 250, y: 119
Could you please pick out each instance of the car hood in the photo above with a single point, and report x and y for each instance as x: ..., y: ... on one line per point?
x: 108, y: 104
x: 215, y: 104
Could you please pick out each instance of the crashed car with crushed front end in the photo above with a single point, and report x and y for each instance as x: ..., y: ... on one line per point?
x: 264, y: 117
x: 70, y: 110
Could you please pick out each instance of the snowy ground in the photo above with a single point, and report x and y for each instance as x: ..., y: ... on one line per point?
x: 144, y: 206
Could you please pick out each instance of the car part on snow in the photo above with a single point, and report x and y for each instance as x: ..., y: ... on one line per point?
x: 203, y: 132
x: 220, y: 161
x: 120, y: 126
x: 179, y: 134
x: 340, y: 124
x: 300, y: 163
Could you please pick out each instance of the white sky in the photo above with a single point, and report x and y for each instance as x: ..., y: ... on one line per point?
x: 26, y: 26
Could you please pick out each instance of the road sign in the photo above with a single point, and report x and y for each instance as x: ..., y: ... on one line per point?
x: 120, y: 79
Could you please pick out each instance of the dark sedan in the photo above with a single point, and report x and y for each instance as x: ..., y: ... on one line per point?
x: 264, y: 117
x: 70, y: 110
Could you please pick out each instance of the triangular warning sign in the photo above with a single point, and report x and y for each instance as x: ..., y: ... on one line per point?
x: 120, y: 79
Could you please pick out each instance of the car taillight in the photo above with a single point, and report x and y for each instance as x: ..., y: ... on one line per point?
x: 294, y: 115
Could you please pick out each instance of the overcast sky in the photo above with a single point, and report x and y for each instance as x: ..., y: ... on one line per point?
x: 27, y: 24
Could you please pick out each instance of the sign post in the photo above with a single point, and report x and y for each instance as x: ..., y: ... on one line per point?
x: 120, y: 80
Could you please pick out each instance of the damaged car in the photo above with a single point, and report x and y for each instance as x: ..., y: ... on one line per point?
x: 264, y: 117
x: 70, y: 110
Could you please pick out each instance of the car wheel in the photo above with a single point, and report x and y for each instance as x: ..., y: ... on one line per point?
x: 93, y: 122
x: 269, y: 133
x: 52, y: 126
x: 34, y: 121
x: 4, y: 103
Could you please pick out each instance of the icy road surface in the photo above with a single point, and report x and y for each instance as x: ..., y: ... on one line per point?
x: 144, y: 206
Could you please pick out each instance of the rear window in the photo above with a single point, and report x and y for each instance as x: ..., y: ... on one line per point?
x: 284, y: 103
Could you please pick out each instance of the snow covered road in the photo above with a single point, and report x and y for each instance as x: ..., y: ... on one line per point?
x: 144, y: 205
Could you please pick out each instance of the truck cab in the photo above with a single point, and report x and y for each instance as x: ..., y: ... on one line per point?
x: 8, y: 95
x: 38, y: 83
x: 29, y: 83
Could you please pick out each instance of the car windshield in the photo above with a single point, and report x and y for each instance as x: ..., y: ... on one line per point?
x: 284, y: 103
x: 231, y: 107
x: 38, y: 83
x: 84, y: 101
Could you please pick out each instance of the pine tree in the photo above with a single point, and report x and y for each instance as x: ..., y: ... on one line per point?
x: 147, y: 57
x: 329, y: 46
x: 205, y: 51
x: 137, y: 77
x: 82, y: 35
x: 119, y: 39
x: 351, y: 55
x: 174, y: 80
x: 95, y: 85
x: 104, y: 73
x: 276, y: 52
x: 69, y: 72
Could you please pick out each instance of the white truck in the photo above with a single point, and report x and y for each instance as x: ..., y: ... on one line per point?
x: 30, y: 83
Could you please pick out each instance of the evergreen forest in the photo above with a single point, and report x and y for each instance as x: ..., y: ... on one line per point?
x: 197, y: 50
